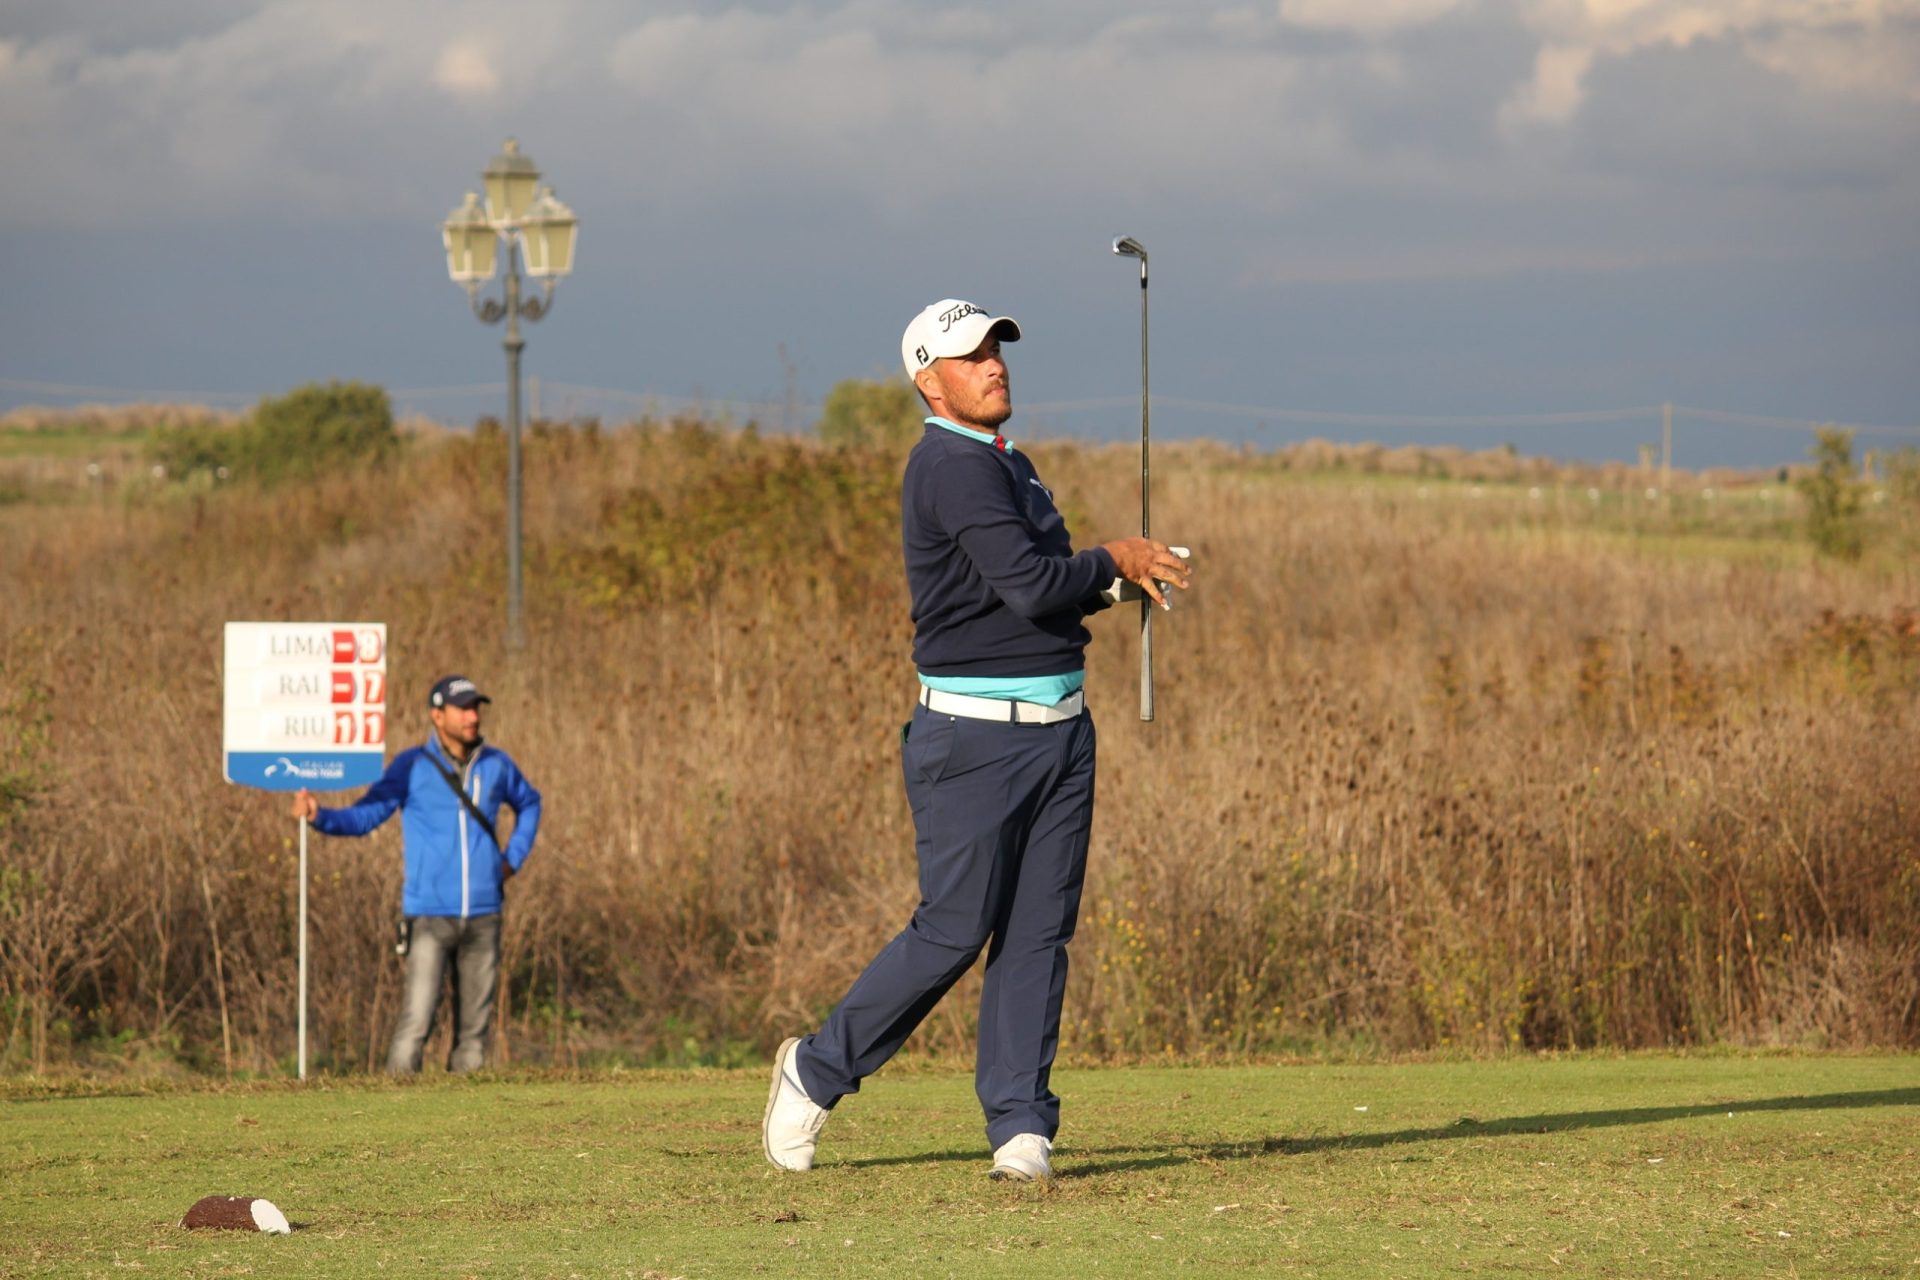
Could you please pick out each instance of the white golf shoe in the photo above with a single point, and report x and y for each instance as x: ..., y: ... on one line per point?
x: 1025, y: 1157
x: 790, y: 1129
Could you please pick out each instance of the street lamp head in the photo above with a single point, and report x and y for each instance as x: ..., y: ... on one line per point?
x: 511, y: 179
x: 549, y: 233
x: 470, y: 241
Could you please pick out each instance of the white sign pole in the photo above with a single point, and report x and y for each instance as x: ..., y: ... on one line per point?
x: 303, y: 948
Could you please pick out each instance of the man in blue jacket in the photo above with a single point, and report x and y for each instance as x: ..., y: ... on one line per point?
x: 449, y: 791
x: 999, y: 758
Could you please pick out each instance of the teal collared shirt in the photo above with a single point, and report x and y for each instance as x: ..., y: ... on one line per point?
x: 1046, y: 690
x: 997, y: 441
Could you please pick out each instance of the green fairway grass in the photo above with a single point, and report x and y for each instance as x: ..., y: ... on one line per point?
x: 65, y: 444
x: 1642, y: 1165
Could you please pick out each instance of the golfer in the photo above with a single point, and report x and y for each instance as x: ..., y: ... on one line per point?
x: 448, y: 791
x: 998, y: 758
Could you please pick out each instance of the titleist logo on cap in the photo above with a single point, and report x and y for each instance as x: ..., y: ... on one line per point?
x: 961, y: 312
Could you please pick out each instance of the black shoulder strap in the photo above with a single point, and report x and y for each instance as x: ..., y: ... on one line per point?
x: 446, y: 776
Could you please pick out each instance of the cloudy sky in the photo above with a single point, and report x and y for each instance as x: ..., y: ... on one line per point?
x: 1385, y: 209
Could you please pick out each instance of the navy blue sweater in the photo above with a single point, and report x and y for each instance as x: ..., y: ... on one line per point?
x: 997, y: 587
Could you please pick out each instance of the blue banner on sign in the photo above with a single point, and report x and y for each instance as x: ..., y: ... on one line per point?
x: 292, y: 770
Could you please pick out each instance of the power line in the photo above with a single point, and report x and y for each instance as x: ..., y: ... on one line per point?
x: 463, y: 389
x: 116, y: 393
x: 1792, y: 424
x: 31, y: 387
x: 648, y: 400
x: 1339, y: 418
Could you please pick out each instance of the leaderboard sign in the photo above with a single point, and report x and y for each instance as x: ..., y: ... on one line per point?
x: 306, y: 704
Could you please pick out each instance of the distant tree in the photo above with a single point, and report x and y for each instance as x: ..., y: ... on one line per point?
x: 872, y: 415
x: 312, y: 429
x: 1903, y: 476
x: 181, y: 449
x: 1834, y: 496
x: 1903, y: 486
x: 318, y: 428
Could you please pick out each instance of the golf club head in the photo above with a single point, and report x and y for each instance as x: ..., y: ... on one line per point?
x: 1128, y: 247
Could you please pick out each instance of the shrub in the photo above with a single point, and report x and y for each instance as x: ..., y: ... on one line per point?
x: 25, y: 718
x: 775, y: 518
x: 311, y: 430
x: 1834, y: 496
x: 191, y: 447
x: 1903, y: 476
x: 315, y: 428
x: 872, y: 415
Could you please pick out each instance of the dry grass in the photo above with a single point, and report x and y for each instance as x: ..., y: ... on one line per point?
x: 1431, y: 769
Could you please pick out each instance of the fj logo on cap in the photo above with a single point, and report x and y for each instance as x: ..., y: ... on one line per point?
x: 920, y: 354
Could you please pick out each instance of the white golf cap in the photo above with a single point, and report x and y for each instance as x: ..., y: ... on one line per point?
x: 951, y: 327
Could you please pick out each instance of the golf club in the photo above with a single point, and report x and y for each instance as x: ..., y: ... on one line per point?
x: 1128, y: 247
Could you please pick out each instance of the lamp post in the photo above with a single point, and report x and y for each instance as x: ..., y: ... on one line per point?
x: 540, y: 232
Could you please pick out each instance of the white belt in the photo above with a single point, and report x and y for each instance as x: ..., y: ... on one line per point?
x: 1001, y: 709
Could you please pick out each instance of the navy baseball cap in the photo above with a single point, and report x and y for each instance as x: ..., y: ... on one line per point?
x: 456, y: 691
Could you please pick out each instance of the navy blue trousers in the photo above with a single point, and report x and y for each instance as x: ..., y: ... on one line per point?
x: 1001, y: 819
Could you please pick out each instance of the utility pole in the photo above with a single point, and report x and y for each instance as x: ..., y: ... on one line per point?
x: 1666, y: 450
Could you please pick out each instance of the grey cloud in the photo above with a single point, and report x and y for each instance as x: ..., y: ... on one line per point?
x: 1449, y: 80
x: 300, y: 110
x: 814, y: 153
x: 1707, y: 114
x: 897, y: 115
x: 119, y: 26
x: 332, y: 108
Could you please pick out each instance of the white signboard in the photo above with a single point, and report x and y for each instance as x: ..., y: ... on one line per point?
x: 306, y: 704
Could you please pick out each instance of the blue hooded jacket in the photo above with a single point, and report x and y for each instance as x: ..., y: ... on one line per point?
x: 453, y: 866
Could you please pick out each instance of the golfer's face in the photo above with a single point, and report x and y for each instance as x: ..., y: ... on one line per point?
x: 459, y: 724
x: 974, y: 386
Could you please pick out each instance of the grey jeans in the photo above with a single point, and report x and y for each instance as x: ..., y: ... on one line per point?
x: 471, y: 948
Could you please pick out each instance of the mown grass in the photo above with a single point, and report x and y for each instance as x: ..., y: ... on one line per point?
x: 1600, y: 1166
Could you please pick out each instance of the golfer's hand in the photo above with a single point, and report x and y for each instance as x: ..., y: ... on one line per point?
x: 1150, y: 565
x: 304, y: 805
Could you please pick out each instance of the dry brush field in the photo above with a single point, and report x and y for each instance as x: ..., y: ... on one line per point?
x: 1437, y: 766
